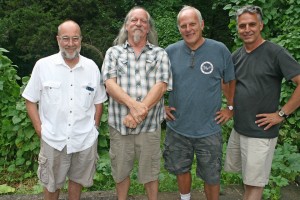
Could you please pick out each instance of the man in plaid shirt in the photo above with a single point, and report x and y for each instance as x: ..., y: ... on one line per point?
x: 136, y: 74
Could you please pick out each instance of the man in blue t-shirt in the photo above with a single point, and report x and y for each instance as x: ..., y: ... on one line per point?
x: 260, y: 66
x: 199, y: 66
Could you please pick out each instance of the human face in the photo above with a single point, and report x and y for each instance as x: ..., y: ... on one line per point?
x: 138, y: 26
x: 191, y: 28
x: 249, y: 28
x: 69, y: 40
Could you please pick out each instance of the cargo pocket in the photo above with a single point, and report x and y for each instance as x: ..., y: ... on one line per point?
x: 43, y: 169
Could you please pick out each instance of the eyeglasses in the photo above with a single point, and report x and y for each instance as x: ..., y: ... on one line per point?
x: 66, y: 39
x: 250, y: 9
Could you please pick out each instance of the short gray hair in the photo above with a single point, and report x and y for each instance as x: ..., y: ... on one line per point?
x: 252, y: 10
x: 185, y: 7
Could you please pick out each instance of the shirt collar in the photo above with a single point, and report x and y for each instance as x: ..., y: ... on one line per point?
x: 148, y: 44
x: 59, y: 60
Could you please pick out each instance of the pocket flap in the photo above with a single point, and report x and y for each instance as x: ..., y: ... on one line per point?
x: 42, y: 160
x: 51, y: 84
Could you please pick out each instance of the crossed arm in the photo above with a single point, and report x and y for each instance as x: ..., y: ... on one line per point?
x: 138, y: 110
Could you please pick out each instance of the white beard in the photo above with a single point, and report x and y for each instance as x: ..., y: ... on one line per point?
x: 69, y: 56
x: 137, y: 36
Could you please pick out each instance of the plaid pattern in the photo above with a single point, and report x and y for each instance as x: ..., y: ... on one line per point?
x: 136, y: 76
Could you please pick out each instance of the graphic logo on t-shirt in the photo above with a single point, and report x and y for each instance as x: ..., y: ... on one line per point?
x: 206, y: 67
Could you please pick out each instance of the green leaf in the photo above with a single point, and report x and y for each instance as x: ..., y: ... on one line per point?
x: 4, y: 189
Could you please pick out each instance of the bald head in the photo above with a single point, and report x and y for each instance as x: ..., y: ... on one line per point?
x: 68, y: 25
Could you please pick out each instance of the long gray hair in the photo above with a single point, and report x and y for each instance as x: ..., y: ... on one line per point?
x: 123, y: 35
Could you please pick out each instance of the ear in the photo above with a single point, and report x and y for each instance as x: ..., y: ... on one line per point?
x: 202, y: 25
x: 57, y: 38
x: 261, y: 26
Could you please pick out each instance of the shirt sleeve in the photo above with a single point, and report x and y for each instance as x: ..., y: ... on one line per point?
x: 164, y: 73
x: 33, y: 89
x: 288, y: 65
x: 109, y: 66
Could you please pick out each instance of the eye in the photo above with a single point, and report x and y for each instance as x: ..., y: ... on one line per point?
x: 242, y: 26
x: 183, y: 26
x: 75, y: 39
x: 134, y: 20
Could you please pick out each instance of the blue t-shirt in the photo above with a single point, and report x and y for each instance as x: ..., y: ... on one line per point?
x: 196, y: 94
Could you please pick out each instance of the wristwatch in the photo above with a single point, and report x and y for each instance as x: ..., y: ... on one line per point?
x: 282, y: 114
x: 230, y: 107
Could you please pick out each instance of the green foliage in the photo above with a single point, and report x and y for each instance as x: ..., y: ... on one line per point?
x: 18, y: 143
x: 285, y: 168
x: 4, y: 189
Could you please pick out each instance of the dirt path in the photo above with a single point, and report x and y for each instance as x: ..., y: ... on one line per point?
x: 233, y: 192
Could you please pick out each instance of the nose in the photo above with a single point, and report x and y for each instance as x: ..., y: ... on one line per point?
x: 188, y: 28
x: 139, y: 22
x: 247, y: 28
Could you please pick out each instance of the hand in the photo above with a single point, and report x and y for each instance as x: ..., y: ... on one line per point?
x: 129, y: 121
x: 170, y: 116
x: 138, y: 111
x: 268, y: 120
x: 223, y: 116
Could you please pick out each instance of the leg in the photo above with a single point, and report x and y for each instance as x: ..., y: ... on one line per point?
x: 184, y: 182
x: 253, y: 192
x: 74, y: 190
x: 122, y: 189
x: 211, y: 191
x: 51, y: 195
x: 152, y: 190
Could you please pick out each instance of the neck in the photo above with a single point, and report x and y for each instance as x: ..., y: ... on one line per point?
x: 251, y: 46
x: 197, y: 45
x: 71, y: 62
x: 137, y: 46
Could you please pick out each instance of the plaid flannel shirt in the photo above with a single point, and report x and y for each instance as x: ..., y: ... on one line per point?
x: 136, y: 76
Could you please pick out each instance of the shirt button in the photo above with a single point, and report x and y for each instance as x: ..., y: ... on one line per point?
x: 68, y: 138
x: 70, y: 111
x: 71, y: 85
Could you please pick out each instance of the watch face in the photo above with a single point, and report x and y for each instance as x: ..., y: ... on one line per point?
x: 230, y: 107
x: 281, y: 113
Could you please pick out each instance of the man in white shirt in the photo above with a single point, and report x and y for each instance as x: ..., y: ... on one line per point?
x: 64, y: 99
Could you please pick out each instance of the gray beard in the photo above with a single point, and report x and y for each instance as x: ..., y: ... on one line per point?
x: 68, y: 56
x: 137, y: 37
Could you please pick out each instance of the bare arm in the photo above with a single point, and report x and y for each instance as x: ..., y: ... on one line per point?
x: 98, y: 114
x: 33, y: 113
x: 152, y: 98
x: 228, y: 90
x: 155, y: 94
x: 138, y: 110
x: 271, y: 119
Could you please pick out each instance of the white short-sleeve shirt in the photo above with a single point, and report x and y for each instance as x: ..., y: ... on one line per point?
x: 66, y: 100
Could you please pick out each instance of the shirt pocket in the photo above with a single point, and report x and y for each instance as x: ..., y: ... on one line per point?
x: 151, y: 66
x: 87, y: 95
x: 52, y: 92
x: 122, y: 66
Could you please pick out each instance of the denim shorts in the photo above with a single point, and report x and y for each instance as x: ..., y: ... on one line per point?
x: 179, y: 154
